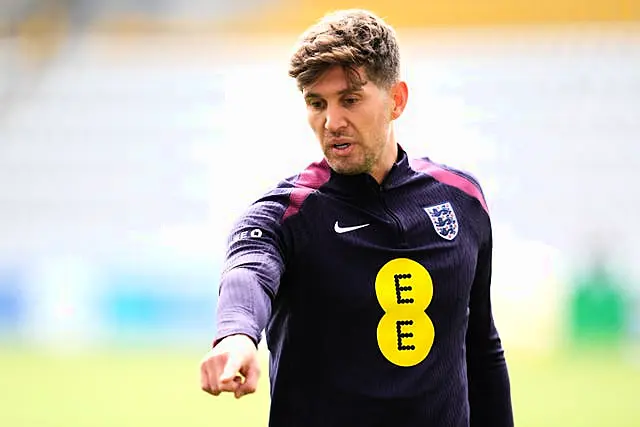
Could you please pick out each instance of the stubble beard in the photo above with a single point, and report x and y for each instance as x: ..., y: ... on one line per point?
x: 344, y: 167
x: 357, y: 163
x: 361, y: 161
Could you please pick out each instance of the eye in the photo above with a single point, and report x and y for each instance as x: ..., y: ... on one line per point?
x: 315, y: 104
x: 351, y: 100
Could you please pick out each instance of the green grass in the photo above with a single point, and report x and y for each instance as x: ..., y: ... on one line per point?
x: 159, y: 388
x: 576, y: 390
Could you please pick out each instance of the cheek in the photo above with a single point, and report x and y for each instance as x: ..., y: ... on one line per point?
x: 382, y: 122
x: 316, y: 122
x: 372, y: 125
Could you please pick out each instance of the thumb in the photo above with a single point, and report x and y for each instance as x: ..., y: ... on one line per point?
x: 250, y: 383
x: 231, y: 368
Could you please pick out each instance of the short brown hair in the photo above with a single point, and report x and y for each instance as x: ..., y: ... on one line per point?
x: 349, y: 38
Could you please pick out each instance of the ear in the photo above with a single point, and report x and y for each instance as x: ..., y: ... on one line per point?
x: 399, y: 97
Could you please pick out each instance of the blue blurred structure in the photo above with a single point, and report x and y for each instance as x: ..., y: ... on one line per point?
x: 13, y: 306
x: 143, y: 306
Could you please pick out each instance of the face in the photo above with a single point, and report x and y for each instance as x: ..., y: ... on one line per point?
x: 354, y: 125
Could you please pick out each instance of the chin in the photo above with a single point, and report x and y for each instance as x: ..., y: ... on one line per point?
x: 347, y: 169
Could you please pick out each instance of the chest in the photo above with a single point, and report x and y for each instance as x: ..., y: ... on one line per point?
x: 398, y: 247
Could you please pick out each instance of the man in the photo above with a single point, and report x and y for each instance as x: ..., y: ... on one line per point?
x: 369, y: 272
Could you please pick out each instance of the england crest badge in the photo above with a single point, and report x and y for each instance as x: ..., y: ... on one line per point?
x: 444, y: 220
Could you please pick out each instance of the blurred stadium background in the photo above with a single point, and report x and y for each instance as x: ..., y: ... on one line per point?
x: 133, y: 132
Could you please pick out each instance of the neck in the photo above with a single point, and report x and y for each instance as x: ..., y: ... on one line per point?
x: 386, y: 161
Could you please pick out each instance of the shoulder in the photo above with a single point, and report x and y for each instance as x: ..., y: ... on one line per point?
x: 462, y: 180
x: 290, y: 193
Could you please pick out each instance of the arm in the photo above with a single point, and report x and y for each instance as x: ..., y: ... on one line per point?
x: 489, y: 386
x: 251, y: 273
x: 249, y: 281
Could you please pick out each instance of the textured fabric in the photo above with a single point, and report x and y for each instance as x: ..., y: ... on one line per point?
x: 375, y: 299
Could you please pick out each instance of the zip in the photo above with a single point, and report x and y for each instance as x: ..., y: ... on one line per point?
x: 394, y: 217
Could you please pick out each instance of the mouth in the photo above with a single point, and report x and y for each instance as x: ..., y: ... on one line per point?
x: 341, y: 149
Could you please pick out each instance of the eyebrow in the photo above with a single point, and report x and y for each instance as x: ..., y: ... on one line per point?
x: 342, y: 92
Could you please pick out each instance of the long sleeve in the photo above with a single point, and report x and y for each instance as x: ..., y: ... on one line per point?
x: 252, y: 271
x: 489, y: 384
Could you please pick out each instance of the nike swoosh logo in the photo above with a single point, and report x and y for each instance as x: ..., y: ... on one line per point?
x: 341, y: 230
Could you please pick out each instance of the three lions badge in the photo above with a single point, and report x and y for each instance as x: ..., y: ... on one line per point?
x: 444, y: 220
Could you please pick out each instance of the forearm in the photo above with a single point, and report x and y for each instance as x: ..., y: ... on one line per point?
x: 243, y: 305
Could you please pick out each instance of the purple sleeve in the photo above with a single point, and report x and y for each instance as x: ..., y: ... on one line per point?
x: 251, y: 273
x: 489, y: 385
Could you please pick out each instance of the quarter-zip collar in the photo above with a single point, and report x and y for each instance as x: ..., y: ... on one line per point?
x: 361, y: 185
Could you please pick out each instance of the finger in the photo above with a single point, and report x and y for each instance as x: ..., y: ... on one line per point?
x: 232, y: 385
x: 207, y: 381
x: 250, y: 383
x: 214, y: 388
x: 231, y: 370
x: 230, y: 379
x: 204, y: 378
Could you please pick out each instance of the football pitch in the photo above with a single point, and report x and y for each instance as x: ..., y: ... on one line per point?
x: 128, y: 388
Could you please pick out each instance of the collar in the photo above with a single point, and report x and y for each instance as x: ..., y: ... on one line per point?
x: 363, y: 184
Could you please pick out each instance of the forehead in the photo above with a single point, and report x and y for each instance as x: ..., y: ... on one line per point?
x: 335, y: 81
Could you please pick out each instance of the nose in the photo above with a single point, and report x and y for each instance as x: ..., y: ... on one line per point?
x: 334, y: 119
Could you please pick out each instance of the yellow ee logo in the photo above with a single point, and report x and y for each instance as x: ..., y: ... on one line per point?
x: 405, y: 333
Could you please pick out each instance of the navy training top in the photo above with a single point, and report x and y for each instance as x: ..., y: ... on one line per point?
x: 376, y: 293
